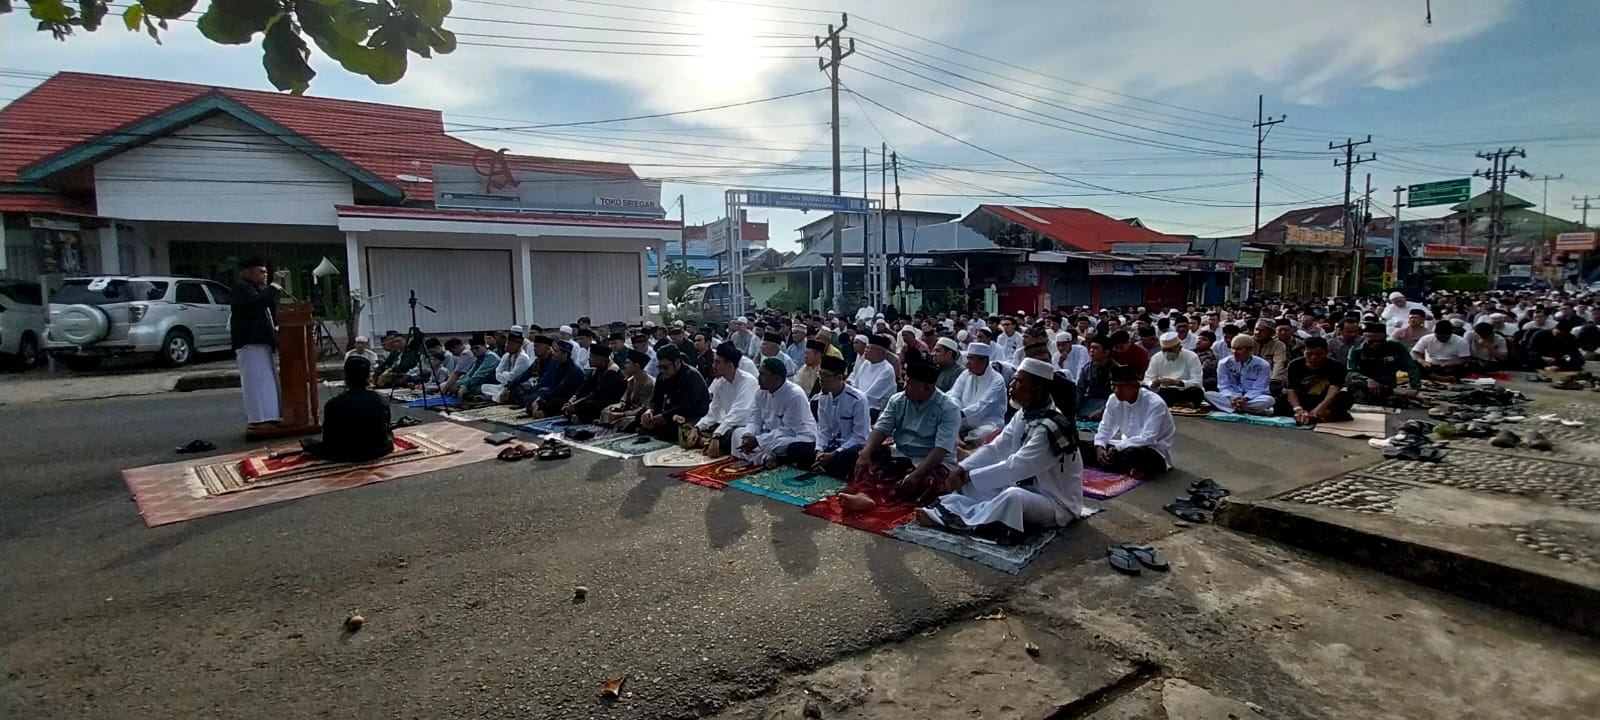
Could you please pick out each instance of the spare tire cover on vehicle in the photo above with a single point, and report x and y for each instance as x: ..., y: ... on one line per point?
x: 82, y: 324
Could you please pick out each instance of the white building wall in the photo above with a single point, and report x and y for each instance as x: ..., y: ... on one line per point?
x: 220, y: 170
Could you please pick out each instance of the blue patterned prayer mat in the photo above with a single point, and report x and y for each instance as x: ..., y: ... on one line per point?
x: 1005, y: 558
x: 1277, y: 422
x: 598, y: 433
x: 548, y: 426
x: 434, y: 401
x: 1089, y: 425
x: 790, y: 485
x: 624, y: 446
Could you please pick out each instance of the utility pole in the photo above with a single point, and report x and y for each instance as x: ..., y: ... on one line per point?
x: 1584, y: 207
x: 1364, y: 217
x: 1497, y: 173
x: 1351, y: 160
x: 683, y: 243
x: 1263, y: 126
x: 1544, y: 212
x: 1394, y: 247
x: 836, y: 54
x: 899, y: 222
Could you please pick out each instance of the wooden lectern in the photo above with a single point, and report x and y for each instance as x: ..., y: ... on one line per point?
x: 298, y: 379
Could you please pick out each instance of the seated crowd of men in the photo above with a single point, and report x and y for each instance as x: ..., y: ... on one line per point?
x: 974, y: 418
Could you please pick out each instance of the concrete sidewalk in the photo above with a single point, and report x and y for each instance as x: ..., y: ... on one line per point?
x: 40, y: 386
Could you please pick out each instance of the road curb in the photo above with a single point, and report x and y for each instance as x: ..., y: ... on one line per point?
x: 222, y: 380
x: 1566, y: 604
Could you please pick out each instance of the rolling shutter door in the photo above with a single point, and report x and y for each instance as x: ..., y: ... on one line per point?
x: 471, y: 289
x: 603, y: 286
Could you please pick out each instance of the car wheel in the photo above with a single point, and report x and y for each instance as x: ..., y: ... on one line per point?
x: 80, y: 363
x: 28, y: 351
x: 177, y: 349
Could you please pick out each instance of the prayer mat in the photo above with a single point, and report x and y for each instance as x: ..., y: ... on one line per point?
x: 1089, y: 425
x: 1268, y: 421
x: 554, y: 426
x: 625, y: 446
x: 1361, y: 424
x: 881, y: 519
x: 676, y: 457
x: 713, y: 475
x: 789, y: 485
x: 1497, y: 377
x: 262, y: 470
x: 549, y: 426
x: 1005, y: 558
x: 402, y: 396
x: 1103, y: 485
x: 1360, y: 408
x: 501, y: 414
x: 171, y: 492
x: 1190, y: 412
x: 434, y: 401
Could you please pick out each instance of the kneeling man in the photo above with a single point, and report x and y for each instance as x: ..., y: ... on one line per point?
x: 1136, y: 433
x: 1029, y: 476
x: 782, y: 431
x: 844, y: 418
x: 1315, y: 391
x: 1243, y: 380
x: 733, y: 401
x: 355, y: 423
x: 923, y: 423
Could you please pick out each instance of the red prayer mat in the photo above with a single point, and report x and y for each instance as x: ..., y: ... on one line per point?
x: 717, y: 475
x: 1497, y: 377
x: 891, y: 512
x: 1103, y: 485
x: 263, y: 467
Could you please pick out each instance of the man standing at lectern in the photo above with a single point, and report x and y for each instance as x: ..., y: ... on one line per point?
x: 254, y: 328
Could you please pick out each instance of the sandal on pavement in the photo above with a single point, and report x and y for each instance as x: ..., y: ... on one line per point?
x: 196, y: 446
x: 1147, y: 556
x: 554, y: 450
x: 516, y: 452
x: 1123, y: 561
x: 1186, y: 511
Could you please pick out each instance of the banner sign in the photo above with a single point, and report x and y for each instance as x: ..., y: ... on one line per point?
x: 1443, y: 192
x: 1128, y: 268
x: 1575, y: 242
x: 1299, y: 235
x: 1251, y: 259
x: 803, y: 201
x: 1432, y: 250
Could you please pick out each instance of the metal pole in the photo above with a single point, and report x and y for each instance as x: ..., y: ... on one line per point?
x: 899, y: 218
x: 883, y: 220
x: 1263, y: 125
x: 1394, y: 247
x: 683, y: 243
x: 836, y: 55
x: 868, y: 268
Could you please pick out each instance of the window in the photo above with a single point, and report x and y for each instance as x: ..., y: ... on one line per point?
x: 768, y: 279
x: 22, y: 292
x: 220, y: 294
x: 78, y: 291
x: 191, y: 293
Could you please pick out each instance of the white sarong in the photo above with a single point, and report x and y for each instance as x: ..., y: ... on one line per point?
x: 259, y: 380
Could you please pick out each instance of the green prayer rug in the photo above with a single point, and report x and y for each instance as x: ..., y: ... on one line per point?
x: 790, y: 485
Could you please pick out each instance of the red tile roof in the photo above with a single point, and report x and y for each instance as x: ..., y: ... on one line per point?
x: 386, y: 140
x: 44, y: 203
x: 1078, y: 228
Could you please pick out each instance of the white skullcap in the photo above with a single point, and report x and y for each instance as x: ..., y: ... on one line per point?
x: 963, y: 336
x: 516, y: 328
x: 948, y: 344
x: 362, y: 338
x: 1396, y: 295
x: 647, y: 324
x: 1063, y: 337
x: 741, y: 320
x: 978, y: 350
x: 566, y: 329
x: 1169, y: 337
x: 1037, y: 368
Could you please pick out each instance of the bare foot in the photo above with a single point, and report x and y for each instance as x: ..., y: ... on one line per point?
x: 713, y: 451
x: 925, y: 518
x: 856, y: 502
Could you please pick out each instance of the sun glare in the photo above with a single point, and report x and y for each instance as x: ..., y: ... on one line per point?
x: 730, y: 52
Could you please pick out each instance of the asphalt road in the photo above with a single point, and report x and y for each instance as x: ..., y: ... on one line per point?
x: 700, y: 597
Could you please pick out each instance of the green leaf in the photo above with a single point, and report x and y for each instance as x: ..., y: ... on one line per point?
x: 133, y: 17
x: 441, y: 40
x: 169, y: 9
x: 430, y: 12
x: 234, y: 22
x: 150, y: 29
x: 91, y: 13
x: 284, y: 55
x: 50, y: 11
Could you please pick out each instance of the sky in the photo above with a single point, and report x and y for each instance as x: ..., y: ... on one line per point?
x: 1140, y: 108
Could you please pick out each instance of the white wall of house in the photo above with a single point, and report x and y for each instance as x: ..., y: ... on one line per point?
x: 220, y: 170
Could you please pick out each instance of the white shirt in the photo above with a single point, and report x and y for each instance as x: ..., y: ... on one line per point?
x: 1019, y: 453
x: 1006, y: 345
x: 1449, y: 352
x: 733, y: 404
x: 1396, y: 317
x: 1146, y: 422
x: 866, y: 314
x: 876, y: 381
x: 789, y: 365
x: 782, y: 416
x: 580, y: 356
x: 1072, y: 361
x: 1185, y: 369
x: 511, y: 366
x: 843, y: 421
x: 1189, y: 340
x: 982, y: 398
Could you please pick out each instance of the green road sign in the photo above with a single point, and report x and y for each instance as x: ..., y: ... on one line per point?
x: 1443, y: 192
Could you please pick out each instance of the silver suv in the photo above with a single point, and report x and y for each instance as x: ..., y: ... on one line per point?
x: 92, y: 318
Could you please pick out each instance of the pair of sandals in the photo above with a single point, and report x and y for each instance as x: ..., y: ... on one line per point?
x: 404, y: 421
x: 1204, y: 495
x: 550, y: 450
x: 1132, y: 559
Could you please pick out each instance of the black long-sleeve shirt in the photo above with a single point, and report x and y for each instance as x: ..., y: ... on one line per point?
x: 252, y: 322
x: 355, y: 428
x: 603, y: 387
x: 685, y: 393
x: 1546, y: 343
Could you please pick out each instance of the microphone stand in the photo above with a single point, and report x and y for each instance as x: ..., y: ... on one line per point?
x: 415, y: 344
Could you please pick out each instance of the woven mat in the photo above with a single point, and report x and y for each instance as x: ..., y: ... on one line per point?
x: 1371, y: 425
x: 227, y: 477
x: 1264, y: 420
x: 1005, y: 558
x: 713, y: 475
x: 624, y: 446
x: 402, y: 396
x: 502, y: 414
x: 790, y: 485
x: 1379, y: 409
x: 676, y: 457
x: 1104, y: 485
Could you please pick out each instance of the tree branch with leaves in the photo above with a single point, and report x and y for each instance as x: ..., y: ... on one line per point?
x: 366, y: 38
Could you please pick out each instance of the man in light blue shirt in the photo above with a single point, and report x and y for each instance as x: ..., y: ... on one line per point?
x: 925, y: 424
x: 1243, y: 381
x: 843, y: 420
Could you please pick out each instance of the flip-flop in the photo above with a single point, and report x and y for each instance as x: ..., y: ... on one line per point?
x: 1123, y: 561
x: 554, y: 450
x: 1187, y: 512
x: 196, y: 446
x: 516, y: 452
x: 403, y: 422
x: 1148, y: 557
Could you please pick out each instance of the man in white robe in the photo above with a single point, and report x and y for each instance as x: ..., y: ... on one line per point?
x: 782, y: 432
x: 875, y: 378
x: 981, y: 394
x: 733, y: 403
x: 1175, y: 374
x: 254, y: 330
x: 513, y: 364
x: 1398, y: 311
x: 1070, y: 356
x: 1029, y: 476
x: 1136, y: 432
